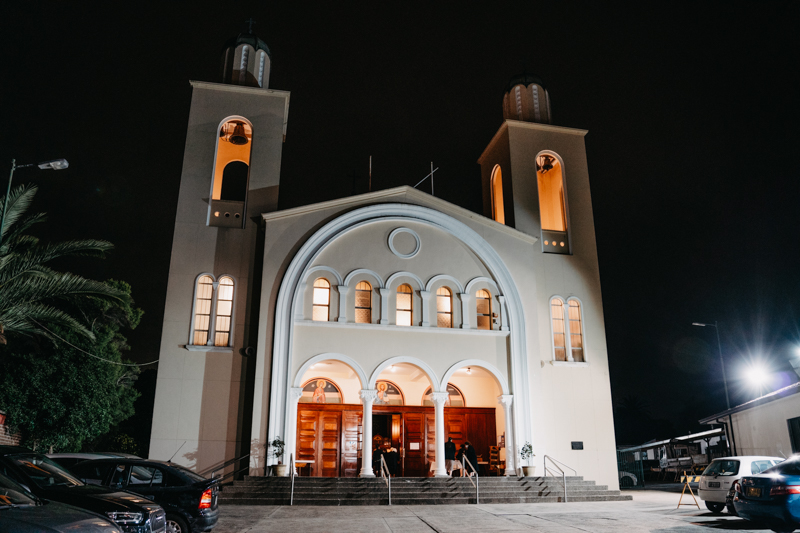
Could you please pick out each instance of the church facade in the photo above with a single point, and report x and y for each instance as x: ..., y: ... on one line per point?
x: 391, y: 319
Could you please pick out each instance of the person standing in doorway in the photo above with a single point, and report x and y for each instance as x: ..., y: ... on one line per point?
x: 449, y: 455
x: 469, y: 453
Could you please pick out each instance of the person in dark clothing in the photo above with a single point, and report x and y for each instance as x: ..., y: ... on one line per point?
x: 392, y: 459
x: 449, y: 455
x: 377, y: 453
x: 469, y: 451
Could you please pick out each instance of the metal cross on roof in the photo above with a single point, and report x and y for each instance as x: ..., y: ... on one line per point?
x: 250, y: 23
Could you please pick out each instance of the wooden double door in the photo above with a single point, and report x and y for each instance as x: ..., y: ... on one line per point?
x: 330, y: 437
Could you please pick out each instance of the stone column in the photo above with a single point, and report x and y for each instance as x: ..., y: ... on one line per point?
x: 426, y: 296
x: 439, y: 399
x: 291, y: 427
x: 343, y: 290
x: 367, y: 397
x: 503, y: 313
x: 511, y: 450
x: 465, y: 310
x: 384, y: 308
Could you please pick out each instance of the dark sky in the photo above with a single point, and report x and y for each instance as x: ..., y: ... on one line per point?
x: 691, y: 108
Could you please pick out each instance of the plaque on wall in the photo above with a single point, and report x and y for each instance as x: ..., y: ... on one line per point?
x: 577, y: 445
x: 413, y: 446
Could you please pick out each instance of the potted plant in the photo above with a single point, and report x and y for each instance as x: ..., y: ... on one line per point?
x: 277, y: 445
x: 526, y: 452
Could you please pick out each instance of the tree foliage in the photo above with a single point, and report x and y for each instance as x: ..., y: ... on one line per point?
x: 54, y: 393
x: 31, y: 293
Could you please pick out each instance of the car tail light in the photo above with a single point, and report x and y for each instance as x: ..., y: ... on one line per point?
x: 782, y: 490
x: 205, y: 500
x: 737, y: 487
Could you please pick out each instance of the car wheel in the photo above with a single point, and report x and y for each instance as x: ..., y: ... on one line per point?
x: 715, y: 507
x: 729, y: 502
x: 176, y: 524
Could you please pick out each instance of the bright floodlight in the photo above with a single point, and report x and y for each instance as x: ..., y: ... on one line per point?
x: 56, y: 164
x: 757, y: 375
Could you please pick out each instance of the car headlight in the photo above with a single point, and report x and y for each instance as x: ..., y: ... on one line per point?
x: 125, y: 517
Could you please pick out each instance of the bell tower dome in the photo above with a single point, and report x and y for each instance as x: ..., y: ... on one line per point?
x: 246, y: 60
x: 527, y: 100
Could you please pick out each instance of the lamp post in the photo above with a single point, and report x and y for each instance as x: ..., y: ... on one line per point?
x: 55, y: 164
x: 721, y: 362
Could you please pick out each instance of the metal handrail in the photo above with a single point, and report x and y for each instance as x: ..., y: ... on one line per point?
x: 213, y: 469
x: 476, y: 484
x: 386, y: 477
x: 556, y: 464
x: 291, y: 469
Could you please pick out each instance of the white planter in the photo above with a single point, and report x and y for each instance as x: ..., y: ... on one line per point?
x: 282, y: 470
x: 528, y: 471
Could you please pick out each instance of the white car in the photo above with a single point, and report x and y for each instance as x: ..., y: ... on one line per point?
x: 716, y: 483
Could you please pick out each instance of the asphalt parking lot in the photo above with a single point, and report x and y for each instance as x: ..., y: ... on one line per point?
x: 650, y: 511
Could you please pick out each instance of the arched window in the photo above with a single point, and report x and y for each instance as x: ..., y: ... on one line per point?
x: 213, y: 312
x: 575, y: 330
x: 444, y: 308
x: 321, y: 300
x: 498, y: 212
x: 204, y: 297
x: 222, y: 329
x: 567, y: 330
x: 552, y: 204
x: 559, y: 329
x: 404, y: 305
x: 363, y: 303
x: 231, y: 171
x: 483, y: 306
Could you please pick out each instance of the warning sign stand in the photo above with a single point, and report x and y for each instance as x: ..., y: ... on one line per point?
x: 686, y: 479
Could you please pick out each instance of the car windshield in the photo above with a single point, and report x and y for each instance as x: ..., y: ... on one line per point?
x: 44, y: 472
x: 724, y: 467
x: 790, y: 467
x: 12, y: 494
x: 188, y: 473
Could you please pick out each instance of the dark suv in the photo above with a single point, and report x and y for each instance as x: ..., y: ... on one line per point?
x: 189, y: 500
x: 46, y: 479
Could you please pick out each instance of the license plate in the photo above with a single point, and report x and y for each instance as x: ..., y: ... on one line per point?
x: 713, y: 484
x: 753, y: 492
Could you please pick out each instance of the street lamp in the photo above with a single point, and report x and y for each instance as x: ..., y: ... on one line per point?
x: 55, y: 164
x: 721, y: 362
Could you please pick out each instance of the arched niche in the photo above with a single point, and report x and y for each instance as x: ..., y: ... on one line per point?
x: 231, y: 173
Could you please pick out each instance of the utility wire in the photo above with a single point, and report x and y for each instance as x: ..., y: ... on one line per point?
x: 84, y: 351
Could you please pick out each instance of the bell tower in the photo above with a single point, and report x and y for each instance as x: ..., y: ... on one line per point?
x: 230, y: 177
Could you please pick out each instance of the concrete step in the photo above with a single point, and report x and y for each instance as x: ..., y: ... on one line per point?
x: 412, y: 491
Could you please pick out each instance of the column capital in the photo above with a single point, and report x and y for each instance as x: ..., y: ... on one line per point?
x: 384, y: 292
x: 295, y: 393
x: 425, y: 294
x: 343, y: 289
x: 464, y: 297
x: 368, y: 395
x: 505, y: 400
x: 439, y: 398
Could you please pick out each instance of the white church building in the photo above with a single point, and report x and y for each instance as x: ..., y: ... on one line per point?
x: 386, y: 319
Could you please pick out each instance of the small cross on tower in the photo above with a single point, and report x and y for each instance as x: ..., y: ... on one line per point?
x: 250, y: 23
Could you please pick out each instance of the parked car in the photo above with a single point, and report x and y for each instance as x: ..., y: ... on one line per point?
x: 68, y: 460
x: 47, y: 480
x: 771, y: 498
x: 190, y: 500
x: 717, y: 480
x: 22, y: 512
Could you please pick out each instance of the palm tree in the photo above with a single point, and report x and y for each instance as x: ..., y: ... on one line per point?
x: 30, y: 290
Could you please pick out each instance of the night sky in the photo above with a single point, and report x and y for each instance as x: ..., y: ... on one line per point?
x: 692, y: 111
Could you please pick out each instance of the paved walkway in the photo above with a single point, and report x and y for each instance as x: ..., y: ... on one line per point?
x: 650, y: 511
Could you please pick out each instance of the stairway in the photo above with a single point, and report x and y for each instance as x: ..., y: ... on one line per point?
x: 412, y: 491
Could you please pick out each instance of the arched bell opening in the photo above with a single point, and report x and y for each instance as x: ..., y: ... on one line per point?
x: 231, y: 173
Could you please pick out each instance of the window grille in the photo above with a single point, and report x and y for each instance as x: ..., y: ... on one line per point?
x: 404, y: 305
x: 321, y: 300
x: 363, y: 303
x: 444, y: 308
x: 483, y: 305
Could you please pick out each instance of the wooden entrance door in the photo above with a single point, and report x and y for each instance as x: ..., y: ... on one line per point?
x: 318, y: 437
x: 415, y: 445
